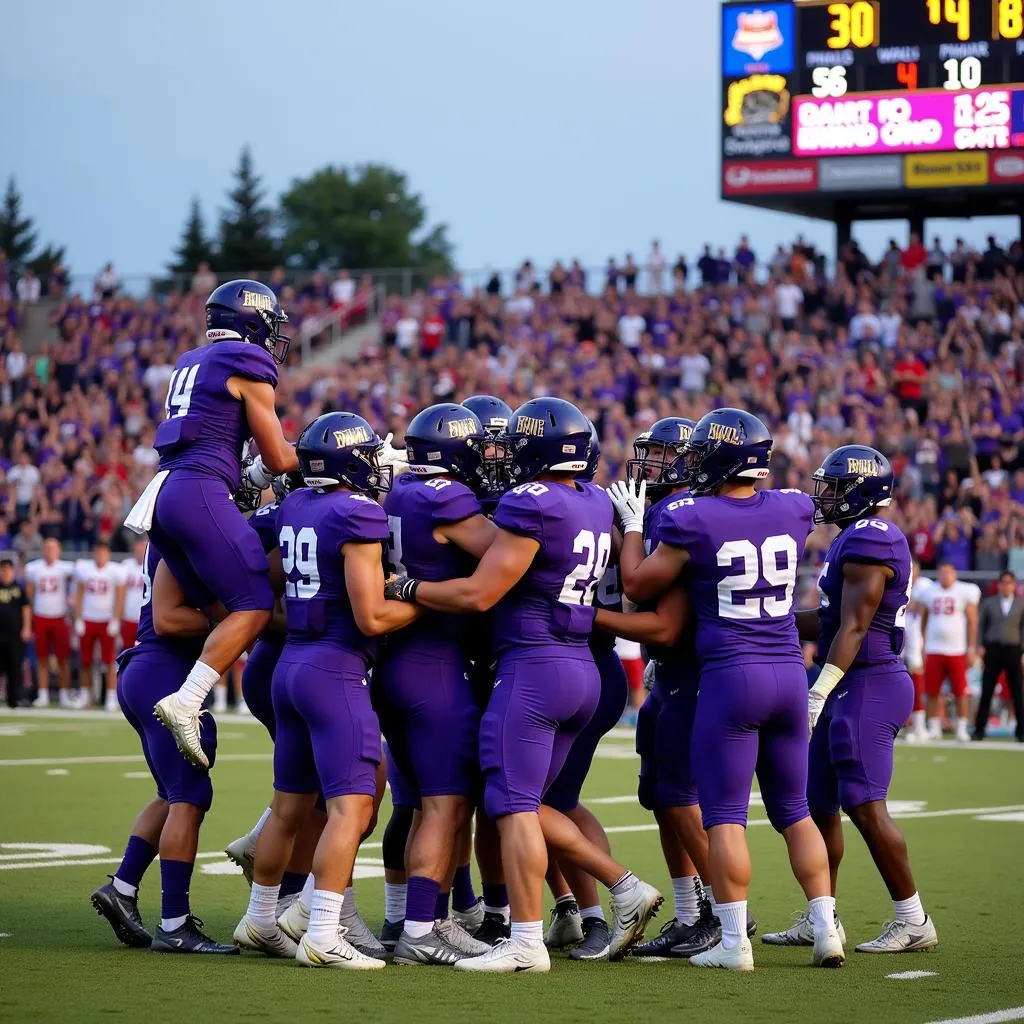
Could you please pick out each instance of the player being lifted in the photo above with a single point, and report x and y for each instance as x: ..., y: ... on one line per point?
x: 328, y: 737
x: 864, y: 693
x: 742, y: 547
x: 217, y: 397
x: 421, y: 687
x: 551, y: 550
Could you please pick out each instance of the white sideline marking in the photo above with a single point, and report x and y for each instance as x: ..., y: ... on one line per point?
x: 137, y: 775
x: 41, y: 851
x: 5, y: 935
x: 11, y: 730
x: 911, y: 975
x: 998, y: 1017
x: 1012, y: 816
x: 58, y: 771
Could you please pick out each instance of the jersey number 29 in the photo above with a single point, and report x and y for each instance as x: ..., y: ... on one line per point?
x: 758, y: 564
x: 298, y: 555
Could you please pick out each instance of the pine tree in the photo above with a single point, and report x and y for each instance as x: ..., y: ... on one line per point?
x: 246, y: 238
x: 195, y: 247
x: 17, y: 238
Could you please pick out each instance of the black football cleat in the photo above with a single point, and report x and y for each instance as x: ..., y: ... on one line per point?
x: 751, y: 926
x: 189, y: 939
x: 597, y: 940
x: 122, y: 913
x: 671, y: 935
x: 493, y: 930
x: 699, y: 937
x: 390, y: 933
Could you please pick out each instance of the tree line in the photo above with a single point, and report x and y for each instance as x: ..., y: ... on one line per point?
x: 360, y: 218
x: 364, y: 217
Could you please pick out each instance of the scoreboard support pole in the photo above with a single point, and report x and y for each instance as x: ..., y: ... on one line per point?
x: 917, y: 224
x: 844, y: 231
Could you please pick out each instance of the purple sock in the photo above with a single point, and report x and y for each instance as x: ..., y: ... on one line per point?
x: 463, y: 897
x: 175, y: 879
x: 495, y: 895
x: 138, y: 855
x: 421, y: 899
x: 292, y: 883
x: 441, y: 906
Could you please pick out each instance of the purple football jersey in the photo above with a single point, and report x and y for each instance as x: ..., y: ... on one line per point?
x: 415, y: 508
x: 609, y: 597
x: 681, y: 658
x: 205, y: 426
x: 146, y: 634
x: 744, y: 554
x: 877, y: 542
x: 264, y: 523
x: 553, y: 604
x: 312, y: 527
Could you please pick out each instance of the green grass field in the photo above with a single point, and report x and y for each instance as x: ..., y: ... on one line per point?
x: 80, y: 780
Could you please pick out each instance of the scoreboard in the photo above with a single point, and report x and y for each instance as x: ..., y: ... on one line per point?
x: 872, y: 95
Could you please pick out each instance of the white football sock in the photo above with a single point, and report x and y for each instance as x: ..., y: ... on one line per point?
x: 529, y: 934
x: 417, y: 929
x: 505, y: 911
x: 917, y: 720
x: 684, y: 893
x: 254, y: 832
x: 597, y: 912
x: 935, y: 726
x: 822, y: 912
x: 394, y: 901
x: 909, y: 910
x: 170, y: 924
x: 624, y: 885
x: 961, y: 725
x: 734, y: 922
x: 306, y: 896
x: 124, y: 888
x: 325, y: 917
x: 263, y: 904
x: 709, y: 892
x: 197, y: 686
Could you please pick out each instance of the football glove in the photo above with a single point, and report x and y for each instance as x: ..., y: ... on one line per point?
x: 649, y: 676
x: 258, y: 475
x: 113, y: 628
x: 401, y: 588
x: 628, y: 498
x: 79, y: 627
x: 396, y: 458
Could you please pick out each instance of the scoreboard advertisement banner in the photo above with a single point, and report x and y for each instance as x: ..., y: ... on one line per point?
x: 861, y: 86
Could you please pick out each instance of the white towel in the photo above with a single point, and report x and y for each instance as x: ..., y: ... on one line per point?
x: 140, y: 519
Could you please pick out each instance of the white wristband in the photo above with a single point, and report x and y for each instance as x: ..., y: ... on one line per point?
x: 827, y: 681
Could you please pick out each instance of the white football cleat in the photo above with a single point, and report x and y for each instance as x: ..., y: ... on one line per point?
x: 458, y: 937
x: 184, y: 727
x: 801, y: 933
x: 631, y: 913
x: 900, y: 937
x: 962, y: 735
x: 566, y: 928
x: 341, y: 954
x: 294, y: 922
x: 739, y: 958
x: 42, y: 699
x: 828, y: 950
x: 241, y: 852
x: 509, y: 957
x: 470, y: 919
x: 273, y: 942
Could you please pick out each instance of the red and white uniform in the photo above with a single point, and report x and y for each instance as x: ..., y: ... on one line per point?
x: 913, y: 638
x: 132, y: 579
x: 98, y: 605
x: 50, y: 606
x: 945, y: 636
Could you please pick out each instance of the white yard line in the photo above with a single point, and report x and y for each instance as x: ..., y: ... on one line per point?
x: 911, y: 975
x: 997, y: 1017
x: 42, y: 762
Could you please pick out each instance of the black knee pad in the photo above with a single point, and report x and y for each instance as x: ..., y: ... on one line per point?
x: 395, y: 836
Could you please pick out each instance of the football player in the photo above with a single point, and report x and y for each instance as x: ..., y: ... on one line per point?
x: 328, y: 738
x: 742, y: 547
x: 46, y: 582
x: 98, y: 607
x: 665, y: 722
x: 171, y: 632
x: 217, y: 396
x: 864, y: 693
x: 551, y: 550
x: 578, y: 916
x: 420, y: 687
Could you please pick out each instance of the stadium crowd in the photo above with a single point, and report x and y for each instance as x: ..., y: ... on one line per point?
x: 919, y: 354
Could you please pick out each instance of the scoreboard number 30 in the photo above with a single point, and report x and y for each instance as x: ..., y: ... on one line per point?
x: 856, y: 25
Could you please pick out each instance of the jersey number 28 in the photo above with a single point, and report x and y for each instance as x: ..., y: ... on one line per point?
x: 578, y: 586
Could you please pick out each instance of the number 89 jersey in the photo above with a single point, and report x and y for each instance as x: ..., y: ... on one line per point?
x: 553, y: 604
x: 875, y: 542
x: 744, y: 554
x: 312, y: 527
